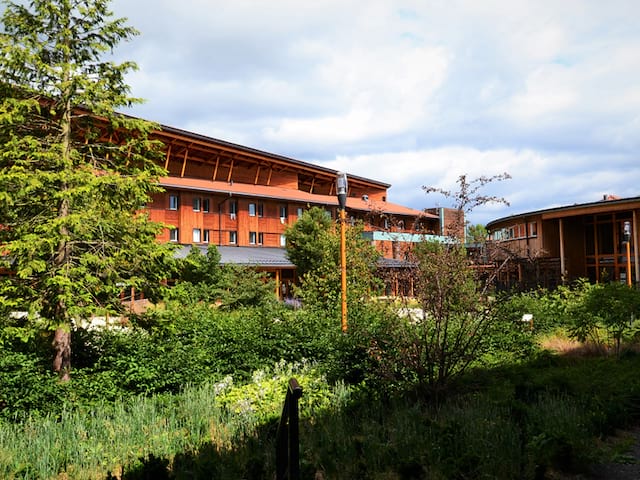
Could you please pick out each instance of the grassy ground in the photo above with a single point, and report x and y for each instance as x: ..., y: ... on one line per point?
x: 521, y: 421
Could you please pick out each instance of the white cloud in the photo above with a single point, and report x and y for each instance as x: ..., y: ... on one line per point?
x: 406, y: 91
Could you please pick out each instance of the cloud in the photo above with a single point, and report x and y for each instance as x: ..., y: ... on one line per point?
x: 408, y: 92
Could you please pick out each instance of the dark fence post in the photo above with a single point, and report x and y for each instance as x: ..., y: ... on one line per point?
x: 287, y: 438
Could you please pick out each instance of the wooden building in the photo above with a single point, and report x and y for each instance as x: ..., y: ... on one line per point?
x: 230, y: 195
x: 559, y: 245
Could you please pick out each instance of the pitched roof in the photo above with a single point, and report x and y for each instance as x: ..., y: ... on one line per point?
x: 289, y: 194
x: 249, y: 256
x: 605, y: 205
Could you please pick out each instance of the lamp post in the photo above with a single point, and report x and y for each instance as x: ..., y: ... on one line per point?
x: 341, y: 190
x: 627, y: 241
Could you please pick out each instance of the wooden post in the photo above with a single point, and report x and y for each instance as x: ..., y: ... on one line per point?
x: 634, y: 232
x: 562, y: 262
x: 343, y: 266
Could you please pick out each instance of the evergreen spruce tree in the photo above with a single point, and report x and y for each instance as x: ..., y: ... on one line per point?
x: 74, y: 174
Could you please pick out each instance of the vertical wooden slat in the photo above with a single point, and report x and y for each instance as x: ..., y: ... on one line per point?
x: 166, y: 161
x: 184, y: 162
x: 215, y: 170
x: 230, y: 171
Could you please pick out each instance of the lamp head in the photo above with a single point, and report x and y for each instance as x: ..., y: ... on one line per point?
x: 627, y: 231
x: 341, y: 189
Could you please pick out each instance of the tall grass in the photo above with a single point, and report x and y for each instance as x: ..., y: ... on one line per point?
x: 523, y: 422
x: 113, y: 437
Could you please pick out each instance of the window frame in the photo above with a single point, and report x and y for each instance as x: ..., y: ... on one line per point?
x: 174, y: 201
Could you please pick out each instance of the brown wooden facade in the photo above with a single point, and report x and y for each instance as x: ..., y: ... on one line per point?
x: 226, y: 194
x: 560, y: 245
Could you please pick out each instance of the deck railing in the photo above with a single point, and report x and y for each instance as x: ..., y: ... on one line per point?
x: 287, y: 438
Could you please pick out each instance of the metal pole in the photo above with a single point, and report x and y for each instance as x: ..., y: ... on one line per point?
x: 343, y: 267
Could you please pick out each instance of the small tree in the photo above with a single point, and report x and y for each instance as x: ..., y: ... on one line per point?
x: 313, y: 245
x: 451, y: 334
x: 73, y: 173
x: 201, y: 278
x: 611, y: 307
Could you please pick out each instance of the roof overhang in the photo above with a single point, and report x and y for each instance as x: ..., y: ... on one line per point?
x: 287, y: 194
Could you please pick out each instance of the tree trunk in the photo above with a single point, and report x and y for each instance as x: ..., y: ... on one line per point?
x: 62, y: 353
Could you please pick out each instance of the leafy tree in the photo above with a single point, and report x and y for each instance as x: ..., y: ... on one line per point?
x: 313, y: 245
x: 73, y: 173
x: 201, y: 278
x: 309, y: 240
x: 477, y: 233
x: 451, y: 334
x: 611, y: 307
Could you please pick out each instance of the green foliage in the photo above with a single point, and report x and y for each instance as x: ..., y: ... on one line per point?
x: 612, y: 307
x: 201, y: 278
x: 309, y: 241
x: 72, y: 184
x: 456, y: 317
x: 313, y: 245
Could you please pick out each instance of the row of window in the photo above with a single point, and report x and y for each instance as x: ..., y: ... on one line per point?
x: 202, y: 204
x: 203, y: 236
x: 522, y: 230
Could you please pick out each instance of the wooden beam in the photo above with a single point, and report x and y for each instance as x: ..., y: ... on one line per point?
x: 255, y: 181
x: 230, y: 171
x: 215, y: 170
x: 269, y: 179
x: 184, y: 163
x: 166, y: 161
x: 313, y: 183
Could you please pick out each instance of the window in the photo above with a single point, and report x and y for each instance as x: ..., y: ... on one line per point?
x: 300, y: 211
x: 205, y: 205
x: 533, y: 229
x: 252, y: 238
x: 283, y: 241
x: 283, y: 213
x: 233, y: 209
x: 197, y: 235
x: 196, y: 204
x: 233, y: 237
x: 260, y: 210
x: 174, y: 202
x: 174, y: 235
x: 205, y: 236
x: 260, y: 238
x: 252, y: 209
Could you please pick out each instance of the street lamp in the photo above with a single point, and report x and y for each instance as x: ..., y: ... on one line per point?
x: 627, y: 240
x: 341, y: 191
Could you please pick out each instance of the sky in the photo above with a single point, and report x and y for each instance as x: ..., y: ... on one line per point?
x: 413, y: 93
